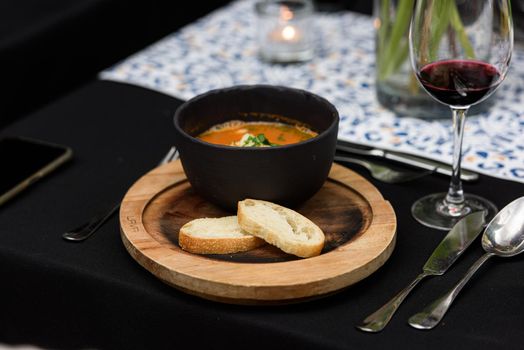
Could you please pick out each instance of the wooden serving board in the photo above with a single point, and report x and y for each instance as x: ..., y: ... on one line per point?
x: 360, y: 229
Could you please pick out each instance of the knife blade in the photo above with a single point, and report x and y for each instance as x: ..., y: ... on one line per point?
x: 415, y: 161
x: 447, y: 252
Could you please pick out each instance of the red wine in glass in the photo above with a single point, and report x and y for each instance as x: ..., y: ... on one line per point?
x: 460, y: 51
x: 459, y: 82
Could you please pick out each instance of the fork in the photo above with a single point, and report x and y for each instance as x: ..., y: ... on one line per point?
x: 85, y: 230
x: 383, y: 173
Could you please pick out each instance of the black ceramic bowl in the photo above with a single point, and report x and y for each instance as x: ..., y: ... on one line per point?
x: 287, y: 175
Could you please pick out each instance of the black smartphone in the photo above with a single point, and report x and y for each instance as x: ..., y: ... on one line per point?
x: 24, y: 161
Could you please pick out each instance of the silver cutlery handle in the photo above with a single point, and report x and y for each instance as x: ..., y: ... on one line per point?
x: 434, y: 312
x: 442, y: 169
x: 86, y: 230
x: 380, y: 318
x: 415, y: 161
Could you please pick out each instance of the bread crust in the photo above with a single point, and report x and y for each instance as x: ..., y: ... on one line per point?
x: 215, y: 245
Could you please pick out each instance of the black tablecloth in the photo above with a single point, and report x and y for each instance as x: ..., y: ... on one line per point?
x: 94, y: 295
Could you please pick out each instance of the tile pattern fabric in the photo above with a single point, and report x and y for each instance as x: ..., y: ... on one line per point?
x: 220, y: 50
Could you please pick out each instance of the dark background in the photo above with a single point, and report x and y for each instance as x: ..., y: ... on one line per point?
x: 49, y: 47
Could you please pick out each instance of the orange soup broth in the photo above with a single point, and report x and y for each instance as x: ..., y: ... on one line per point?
x: 277, y: 133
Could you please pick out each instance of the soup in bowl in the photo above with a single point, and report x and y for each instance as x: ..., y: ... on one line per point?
x: 264, y: 142
x: 256, y: 134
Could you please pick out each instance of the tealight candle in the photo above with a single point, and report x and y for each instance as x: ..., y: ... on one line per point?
x: 284, y: 30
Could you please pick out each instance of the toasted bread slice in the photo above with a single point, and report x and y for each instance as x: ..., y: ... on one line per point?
x: 280, y: 226
x: 216, y: 236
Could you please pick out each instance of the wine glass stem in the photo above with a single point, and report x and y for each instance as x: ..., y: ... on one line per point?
x: 454, y: 202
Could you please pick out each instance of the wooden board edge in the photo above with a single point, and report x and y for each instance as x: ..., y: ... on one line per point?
x: 253, y: 294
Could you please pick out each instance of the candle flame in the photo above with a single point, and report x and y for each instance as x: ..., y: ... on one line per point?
x: 288, y: 33
x: 377, y: 23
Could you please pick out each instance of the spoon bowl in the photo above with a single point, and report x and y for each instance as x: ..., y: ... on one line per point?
x: 504, y: 237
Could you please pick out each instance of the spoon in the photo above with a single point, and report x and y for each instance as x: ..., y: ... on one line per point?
x: 383, y: 173
x: 504, y: 237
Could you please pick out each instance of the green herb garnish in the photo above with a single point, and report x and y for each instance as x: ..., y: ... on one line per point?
x: 257, y: 141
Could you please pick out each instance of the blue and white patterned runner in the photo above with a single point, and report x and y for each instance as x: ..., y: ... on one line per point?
x: 220, y: 50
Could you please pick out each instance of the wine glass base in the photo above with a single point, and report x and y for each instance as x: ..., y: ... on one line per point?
x: 426, y: 210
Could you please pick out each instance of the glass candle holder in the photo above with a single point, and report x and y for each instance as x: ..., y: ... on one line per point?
x: 284, y: 30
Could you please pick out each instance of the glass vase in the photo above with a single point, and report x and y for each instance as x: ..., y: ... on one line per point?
x: 397, y: 88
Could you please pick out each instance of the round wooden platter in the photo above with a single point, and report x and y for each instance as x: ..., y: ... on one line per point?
x: 360, y: 229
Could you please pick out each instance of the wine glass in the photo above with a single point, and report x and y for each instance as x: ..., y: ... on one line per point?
x: 460, y: 51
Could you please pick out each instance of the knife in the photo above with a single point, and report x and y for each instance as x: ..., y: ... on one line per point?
x: 447, y: 252
x: 404, y: 158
